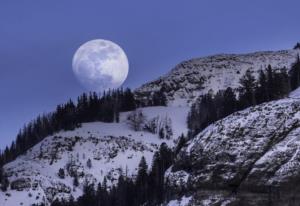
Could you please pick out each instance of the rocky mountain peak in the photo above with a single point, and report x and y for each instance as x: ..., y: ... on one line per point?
x: 191, y: 78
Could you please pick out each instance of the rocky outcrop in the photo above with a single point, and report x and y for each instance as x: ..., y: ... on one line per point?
x: 21, y: 184
x: 249, y: 158
x: 56, y: 188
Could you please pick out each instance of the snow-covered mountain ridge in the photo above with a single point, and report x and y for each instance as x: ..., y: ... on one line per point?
x: 194, y: 77
x: 248, y: 158
x: 251, y: 151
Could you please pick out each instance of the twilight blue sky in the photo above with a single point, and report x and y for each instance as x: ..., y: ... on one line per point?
x: 39, y: 38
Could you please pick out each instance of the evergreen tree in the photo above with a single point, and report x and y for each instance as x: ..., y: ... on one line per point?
x: 75, y: 181
x: 82, y: 106
x: 162, y: 160
x: 159, y: 98
x: 218, y: 102
x: 161, y: 133
x: 230, y: 102
x: 57, y: 202
x: 262, y: 92
x: 297, y: 46
x: 247, y: 90
x: 128, y: 103
x: 102, y: 193
x: 142, y: 180
x: 270, y: 83
x: 281, y: 84
x: 89, y: 195
x: 89, y: 163
x: 71, y: 201
x: 1, y: 174
x: 156, y: 179
x: 125, y: 192
x: 61, y: 173
x: 202, y: 113
x: 4, y: 183
x: 295, y: 74
x: 180, y: 144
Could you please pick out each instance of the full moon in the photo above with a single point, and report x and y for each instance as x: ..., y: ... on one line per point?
x: 100, y: 65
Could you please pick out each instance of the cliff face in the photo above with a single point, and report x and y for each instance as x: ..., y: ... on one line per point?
x: 194, y: 77
x: 249, y: 158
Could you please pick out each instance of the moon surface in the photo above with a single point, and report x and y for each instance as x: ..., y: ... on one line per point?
x: 100, y: 65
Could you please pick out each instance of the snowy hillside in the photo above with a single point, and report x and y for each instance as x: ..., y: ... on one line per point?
x: 112, y: 148
x: 194, y: 77
x: 254, y: 152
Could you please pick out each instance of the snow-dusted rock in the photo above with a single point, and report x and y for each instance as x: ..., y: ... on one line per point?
x: 183, y: 201
x: 21, y: 184
x: 255, y: 151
